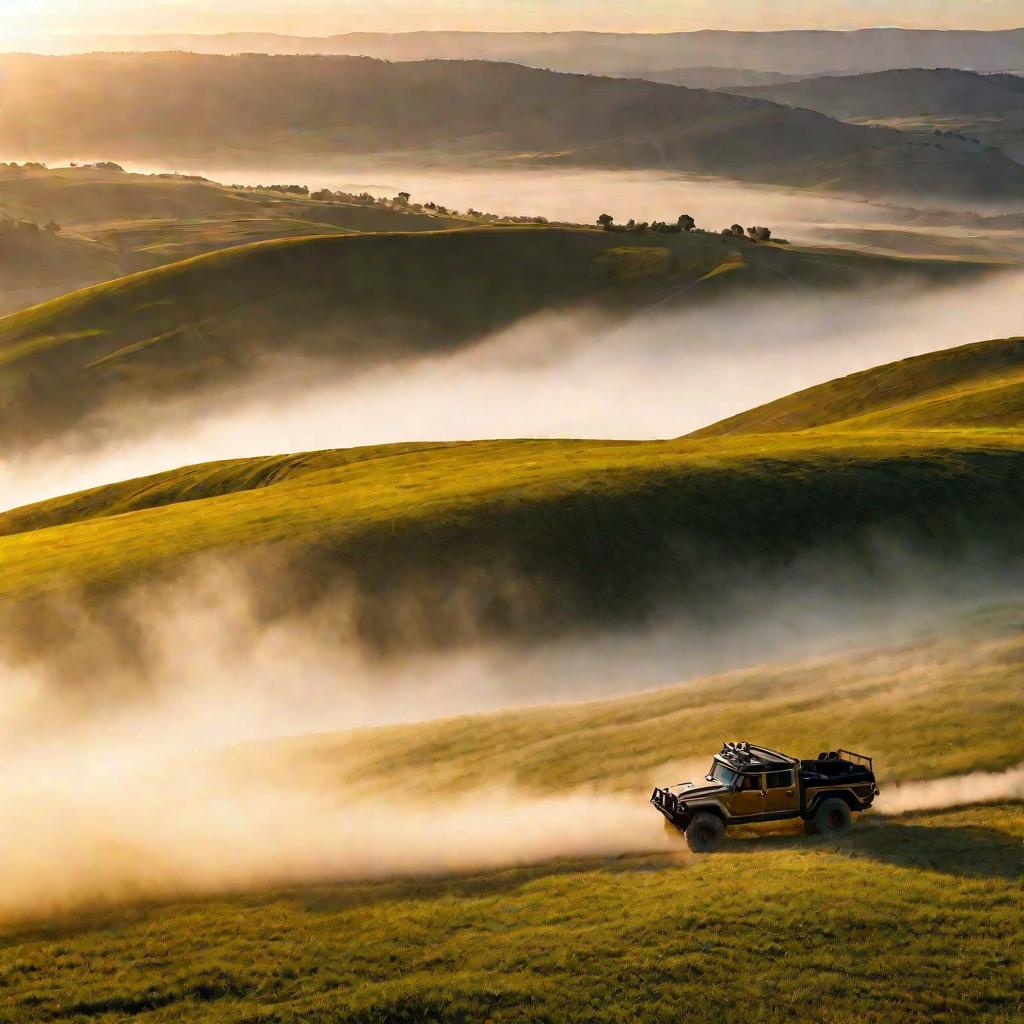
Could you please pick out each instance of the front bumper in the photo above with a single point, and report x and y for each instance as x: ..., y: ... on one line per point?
x: 666, y: 802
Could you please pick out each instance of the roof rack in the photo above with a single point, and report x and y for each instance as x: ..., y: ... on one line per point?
x: 862, y: 759
x: 743, y: 755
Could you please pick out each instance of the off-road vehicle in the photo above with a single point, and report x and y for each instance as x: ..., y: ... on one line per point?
x: 748, y: 783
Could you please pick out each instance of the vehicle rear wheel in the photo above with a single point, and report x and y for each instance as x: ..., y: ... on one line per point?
x: 833, y: 818
x: 705, y: 833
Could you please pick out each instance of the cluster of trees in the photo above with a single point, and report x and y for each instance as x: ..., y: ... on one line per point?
x: 756, y: 234
x: 684, y: 223
x: 401, y: 202
x: 295, y: 190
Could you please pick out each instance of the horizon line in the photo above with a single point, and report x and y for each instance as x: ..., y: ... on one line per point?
x: 511, y: 32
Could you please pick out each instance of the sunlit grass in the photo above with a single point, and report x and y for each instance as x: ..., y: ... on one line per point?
x: 913, y: 920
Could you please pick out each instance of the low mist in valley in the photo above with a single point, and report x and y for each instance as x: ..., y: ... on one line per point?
x: 660, y: 374
x: 118, y: 727
x: 580, y: 196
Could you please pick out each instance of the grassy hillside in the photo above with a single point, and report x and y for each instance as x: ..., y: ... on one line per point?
x: 874, y: 928
x: 357, y: 300
x: 176, y: 105
x: 974, y: 386
x: 534, y: 539
x: 648, y: 937
x: 113, y: 223
x: 34, y: 258
x: 947, y: 688
x: 911, y: 918
x: 110, y: 201
x: 539, y: 537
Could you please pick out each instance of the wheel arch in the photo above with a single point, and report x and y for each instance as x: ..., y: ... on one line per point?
x: 711, y: 807
x: 832, y: 794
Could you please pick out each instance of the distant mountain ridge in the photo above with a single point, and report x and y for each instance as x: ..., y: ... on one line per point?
x: 904, y: 92
x: 988, y: 108
x: 256, y: 108
x: 792, y: 52
x: 726, y: 79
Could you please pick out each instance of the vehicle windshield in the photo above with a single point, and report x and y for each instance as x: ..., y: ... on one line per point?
x: 720, y: 773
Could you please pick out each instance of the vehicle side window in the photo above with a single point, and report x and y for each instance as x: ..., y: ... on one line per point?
x: 780, y: 780
x: 751, y: 782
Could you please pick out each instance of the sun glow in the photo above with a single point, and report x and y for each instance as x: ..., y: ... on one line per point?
x: 66, y: 24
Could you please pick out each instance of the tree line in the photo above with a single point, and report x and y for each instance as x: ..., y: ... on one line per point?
x: 684, y: 224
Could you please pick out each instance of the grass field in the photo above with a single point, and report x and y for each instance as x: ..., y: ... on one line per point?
x: 950, y: 690
x: 979, y: 385
x: 114, y: 223
x: 913, y: 919
x: 358, y: 299
x: 604, y: 532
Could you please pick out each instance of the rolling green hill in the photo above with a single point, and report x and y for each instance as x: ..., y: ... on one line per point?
x: 947, y: 688
x: 112, y: 223
x: 440, y: 544
x: 356, y: 300
x: 532, y: 539
x: 974, y: 386
x: 546, y: 536
x: 170, y: 106
x: 646, y: 937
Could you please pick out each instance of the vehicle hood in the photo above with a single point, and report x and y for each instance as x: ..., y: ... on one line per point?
x: 696, y: 790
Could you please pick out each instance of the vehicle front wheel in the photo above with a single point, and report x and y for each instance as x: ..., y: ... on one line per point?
x: 833, y: 818
x: 705, y: 833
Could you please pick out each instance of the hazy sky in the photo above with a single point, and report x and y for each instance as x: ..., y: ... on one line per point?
x: 319, y: 17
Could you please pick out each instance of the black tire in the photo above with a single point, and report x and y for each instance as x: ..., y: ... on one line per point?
x: 705, y: 833
x: 833, y: 818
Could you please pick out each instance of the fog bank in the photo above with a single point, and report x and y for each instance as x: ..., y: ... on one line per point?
x: 661, y: 374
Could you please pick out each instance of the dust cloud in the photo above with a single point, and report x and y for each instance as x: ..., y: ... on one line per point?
x: 112, y: 792
x: 661, y: 374
x: 115, y: 828
x: 130, y: 791
x: 955, y: 791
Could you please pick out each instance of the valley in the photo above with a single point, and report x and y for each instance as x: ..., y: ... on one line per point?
x: 415, y: 446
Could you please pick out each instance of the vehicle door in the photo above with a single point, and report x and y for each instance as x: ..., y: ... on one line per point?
x: 748, y: 796
x: 781, y: 792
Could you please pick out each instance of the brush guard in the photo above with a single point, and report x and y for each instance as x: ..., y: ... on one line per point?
x: 671, y: 806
